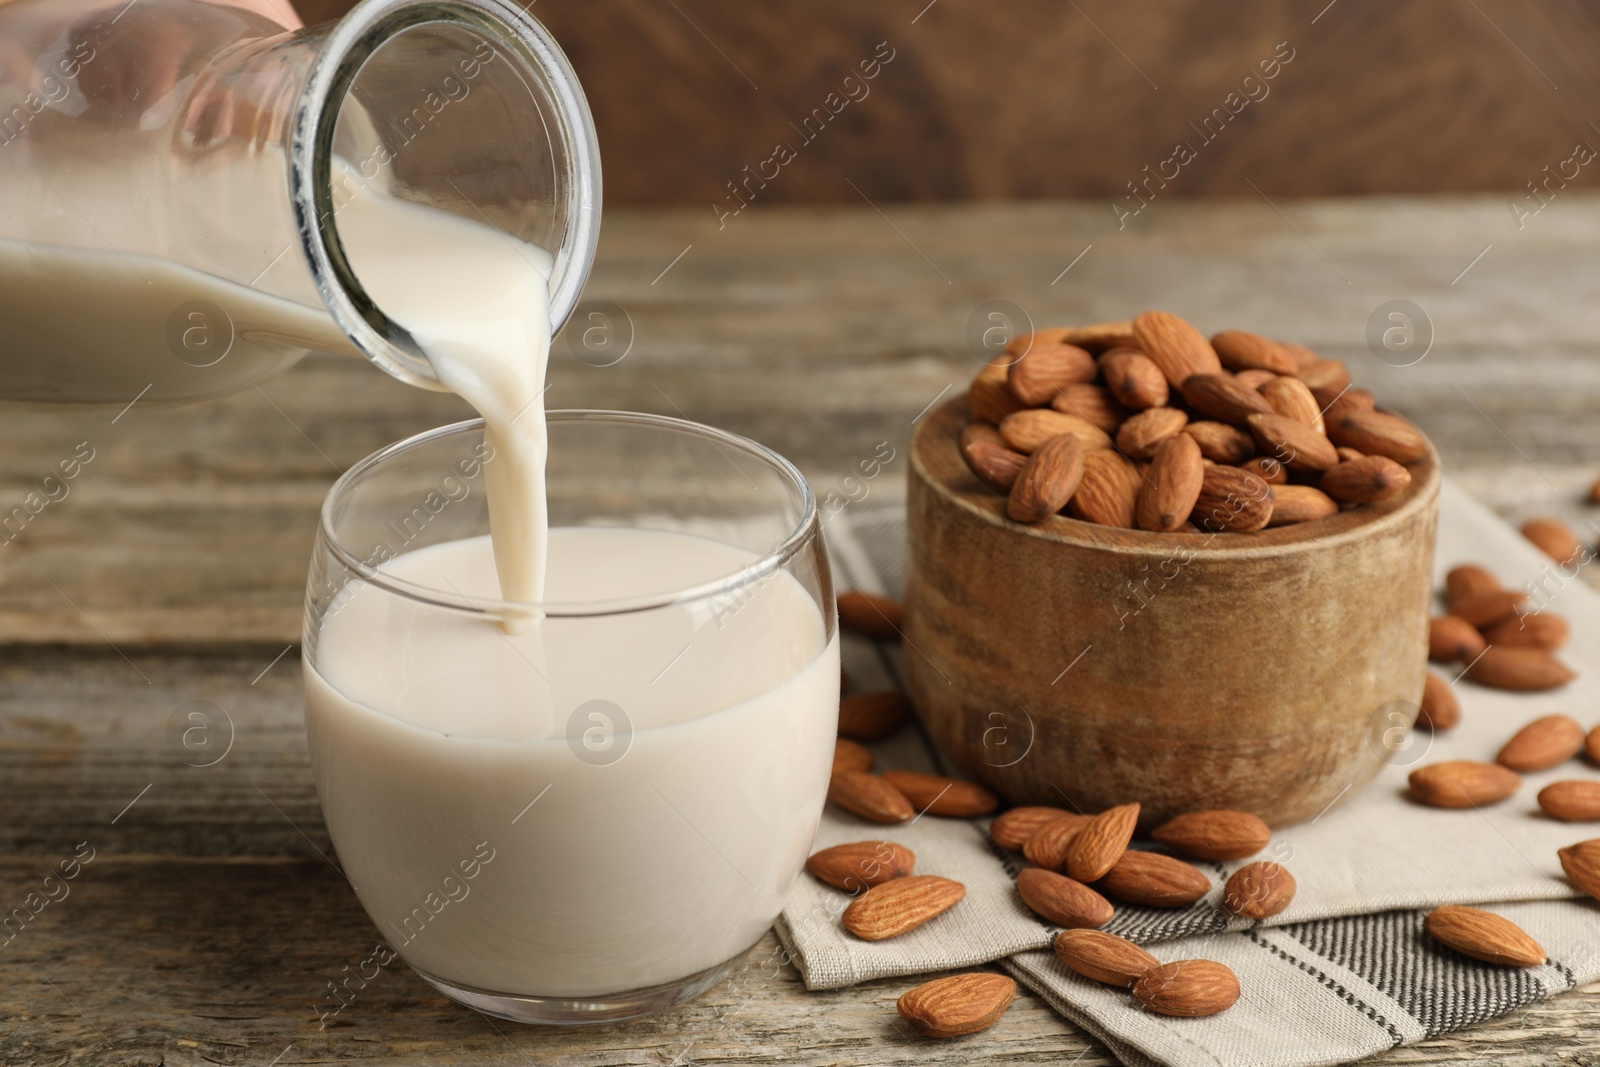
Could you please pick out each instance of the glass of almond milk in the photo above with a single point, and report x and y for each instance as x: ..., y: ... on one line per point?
x: 590, y: 807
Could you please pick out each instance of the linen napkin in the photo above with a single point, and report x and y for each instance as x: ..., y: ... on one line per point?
x: 1346, y: 970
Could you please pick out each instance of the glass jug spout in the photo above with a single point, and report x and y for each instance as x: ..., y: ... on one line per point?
x: 172, y: 172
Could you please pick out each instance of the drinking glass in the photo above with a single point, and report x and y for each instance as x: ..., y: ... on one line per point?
x: 597, y: 815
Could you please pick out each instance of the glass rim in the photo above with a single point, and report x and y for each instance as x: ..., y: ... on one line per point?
x: 804, y: 529
x: 354, y: 39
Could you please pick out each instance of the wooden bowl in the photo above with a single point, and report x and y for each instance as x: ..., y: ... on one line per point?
x: 1084, y: 666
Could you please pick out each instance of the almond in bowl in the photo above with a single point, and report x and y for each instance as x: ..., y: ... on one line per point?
x: 1207, y: 604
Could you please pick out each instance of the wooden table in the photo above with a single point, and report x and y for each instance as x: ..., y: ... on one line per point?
x: 208, y: 924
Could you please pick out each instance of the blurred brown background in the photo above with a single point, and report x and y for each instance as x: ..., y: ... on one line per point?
x: 1056, y: 98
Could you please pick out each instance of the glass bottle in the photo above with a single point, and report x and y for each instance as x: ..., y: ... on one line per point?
x: 170, y: 172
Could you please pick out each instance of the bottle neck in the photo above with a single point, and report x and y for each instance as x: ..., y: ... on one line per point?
x: 467, y: 106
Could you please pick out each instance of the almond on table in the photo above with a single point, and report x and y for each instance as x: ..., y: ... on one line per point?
x: 938, y: 795
x: 1542, y: 744
x: 957, y: 1005
x: 1214, y: 835
x: 1581, y: 862
x: 1062, y: 900
x: 1047, y: 846
x: 1451, y: 638
x: 1259, y: 890
x: 1103, y: 957
x: 861, y: 864
x: 850, y: 755
x: 1154, y: 880
x: 1188, y: 989
x: 870, y: 797
x: 871, y: 615
x: 1521, y: 669
x: 1439, y: 710
x: 1484, y: 936
x: 1463, y: 784
x: 872, y: 716
x: 1571, y: 801
x: 1011, y: 829
x: 1101, y: 842
x: 900, y: 905
x: 1554, y: 538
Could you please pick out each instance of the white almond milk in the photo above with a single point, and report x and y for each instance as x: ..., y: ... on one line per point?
x: 430, y: 734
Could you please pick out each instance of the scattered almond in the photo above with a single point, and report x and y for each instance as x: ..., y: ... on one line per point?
x: 1103, y: 957
x: 1571, y: 801
x: 937, y: 795
x: 1440, y: 710
x: 1188, y: 989
x: 1062, y: 900
x: 1463, y: 784
x: 1591, y: 745
x: 1554, y: 538
x: 1047, y: 480
x: 1101, y: 843
x: 1011, y: 829
x: 1483, y: 935
x: 1214, y: 835
x: 850, y: 755
x: 1542, y: 630
x: 1582, y: 864
x: 871, y: 615
x: 1259, y: 890
x: 1047, y: 846
x: 1451, y: 638
x: 861, y: 864
x: 1154, y: 880
x: 870, y: 797
x: 900, y: 905
x: 1522, y: 669
x: 957, y: 1005
x: 1542, y: 744
x: 872, y: 716
x: 1487, y: 608
x: 1467, y: 581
